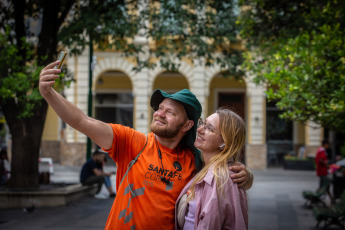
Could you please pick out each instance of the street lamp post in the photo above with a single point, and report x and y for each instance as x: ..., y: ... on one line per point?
x: 89, y: 108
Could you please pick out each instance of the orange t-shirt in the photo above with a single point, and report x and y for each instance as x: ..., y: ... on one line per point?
x: 152, y: 204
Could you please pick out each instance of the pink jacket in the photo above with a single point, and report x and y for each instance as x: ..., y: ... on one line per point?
x: 228, y: 211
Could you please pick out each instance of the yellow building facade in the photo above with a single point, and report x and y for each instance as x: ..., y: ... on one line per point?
x: 121, y: 95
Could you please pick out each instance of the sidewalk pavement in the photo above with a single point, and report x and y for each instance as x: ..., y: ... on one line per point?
x: 275, y: 203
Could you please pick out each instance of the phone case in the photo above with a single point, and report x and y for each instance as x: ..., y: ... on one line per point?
x: 61, y: 57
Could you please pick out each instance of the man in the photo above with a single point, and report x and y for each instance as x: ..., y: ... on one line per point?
x: 321, y: 162
x: 146, y: 194
x: 92, y: 173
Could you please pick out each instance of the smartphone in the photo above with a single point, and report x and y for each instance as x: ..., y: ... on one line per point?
x: 61, y: 57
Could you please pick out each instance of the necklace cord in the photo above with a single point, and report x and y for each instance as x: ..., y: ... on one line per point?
x: 163, y: 178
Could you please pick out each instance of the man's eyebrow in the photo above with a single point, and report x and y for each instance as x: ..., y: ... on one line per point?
x: 171, y: 110
x: 167, y: 108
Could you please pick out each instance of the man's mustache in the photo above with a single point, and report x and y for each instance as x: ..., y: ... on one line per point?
x: 160, y: 120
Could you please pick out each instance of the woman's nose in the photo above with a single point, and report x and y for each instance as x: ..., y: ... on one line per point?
x: 200, y: 129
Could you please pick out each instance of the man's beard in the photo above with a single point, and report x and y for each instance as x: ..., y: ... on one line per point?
x: 165, y: 132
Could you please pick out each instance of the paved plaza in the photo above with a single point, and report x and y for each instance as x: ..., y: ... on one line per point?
x: 275, y: 203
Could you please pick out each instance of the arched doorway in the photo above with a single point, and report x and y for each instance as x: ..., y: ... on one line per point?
x: 113, y: 100
x: 227, y: 91
x: 230, y: 92
x: 170, y: 82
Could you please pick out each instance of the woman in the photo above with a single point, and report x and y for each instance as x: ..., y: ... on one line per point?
x: 213, y: 200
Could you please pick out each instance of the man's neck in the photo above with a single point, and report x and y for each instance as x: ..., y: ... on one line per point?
x: 170, y: 143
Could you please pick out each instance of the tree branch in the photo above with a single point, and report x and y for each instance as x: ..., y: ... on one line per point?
x: 19, y: 8
x: 64, y: 14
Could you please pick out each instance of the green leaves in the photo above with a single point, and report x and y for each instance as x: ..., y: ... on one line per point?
x: 175, y: 30
x: 303, y: 71
x: 106, y: 21
x: 18, y: 82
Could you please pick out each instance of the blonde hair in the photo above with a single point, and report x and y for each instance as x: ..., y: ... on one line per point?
x: 233, y: 132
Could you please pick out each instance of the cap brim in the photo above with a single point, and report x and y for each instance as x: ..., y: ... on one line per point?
x: 157, y: 98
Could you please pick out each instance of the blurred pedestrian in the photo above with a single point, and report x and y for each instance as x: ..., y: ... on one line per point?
x: 107, y: 181
x: 92, y: 173
x: 5, y: 167
x: 322, y: 166
x: 321, y: 162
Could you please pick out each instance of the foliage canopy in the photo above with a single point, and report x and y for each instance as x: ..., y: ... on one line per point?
x: 297, y: 49
x: 174, y: 29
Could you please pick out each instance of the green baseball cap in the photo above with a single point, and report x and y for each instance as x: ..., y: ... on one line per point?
x: 193, y: 109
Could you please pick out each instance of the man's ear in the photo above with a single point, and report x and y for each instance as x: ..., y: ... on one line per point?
x: 188, y: 125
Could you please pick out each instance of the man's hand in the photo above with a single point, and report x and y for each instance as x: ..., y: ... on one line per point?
x: 47, y: 78
x: 242, y: 176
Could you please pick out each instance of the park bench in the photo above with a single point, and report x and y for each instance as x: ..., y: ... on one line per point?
x: 334, y: 215
x: 313, y: 198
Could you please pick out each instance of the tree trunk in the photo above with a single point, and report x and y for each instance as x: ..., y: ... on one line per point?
x: 27, y: 133
x: 19, y: 9
x: 26, y: 141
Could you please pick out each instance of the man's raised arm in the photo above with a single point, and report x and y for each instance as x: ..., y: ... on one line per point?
x: 100, y: 132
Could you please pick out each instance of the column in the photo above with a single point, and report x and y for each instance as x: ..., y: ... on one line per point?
x: 313, y: 138
x: 256, y: 148
x: 198, y: 85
